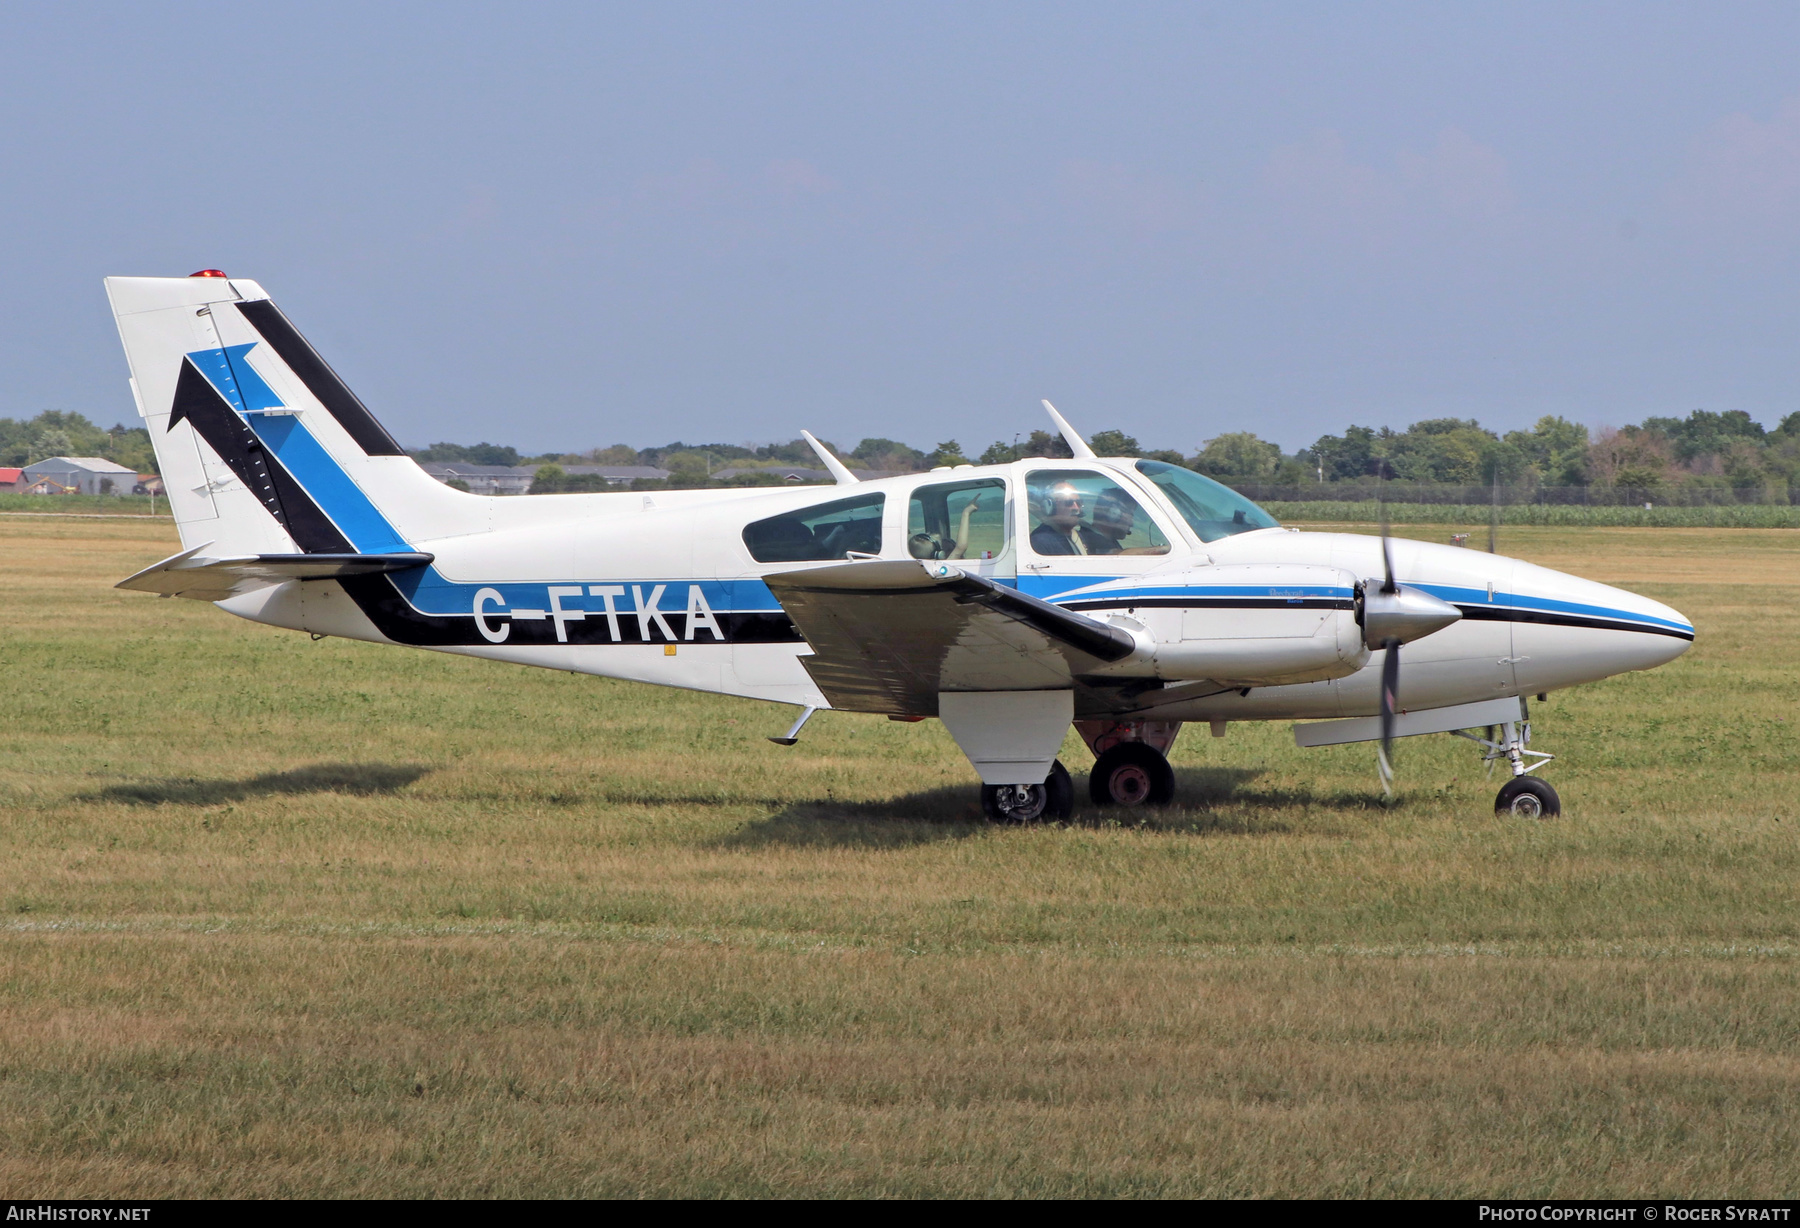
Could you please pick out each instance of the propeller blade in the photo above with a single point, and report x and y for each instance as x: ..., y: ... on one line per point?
x: 1390, y: 665
x: 1390, y: 690
x: 1387, y: 546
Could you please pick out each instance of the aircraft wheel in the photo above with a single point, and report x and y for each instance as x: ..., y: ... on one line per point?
x: 1052, y: 801
x: 1132, y: 774
x: 1527, y: 797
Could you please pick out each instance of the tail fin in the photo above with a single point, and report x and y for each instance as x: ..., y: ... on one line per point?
x: 263, y: 449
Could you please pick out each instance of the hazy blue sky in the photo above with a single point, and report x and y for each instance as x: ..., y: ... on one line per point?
x: 562, y: 226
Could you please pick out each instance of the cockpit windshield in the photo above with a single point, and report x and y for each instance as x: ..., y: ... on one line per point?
x: 1211, y: 510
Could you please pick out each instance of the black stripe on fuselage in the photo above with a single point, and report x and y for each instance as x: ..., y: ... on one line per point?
x: 1509, y: 614
x: 398, y: 619
x: 319, y: 378
x: 1474, y: 613
x: 1215, y: 603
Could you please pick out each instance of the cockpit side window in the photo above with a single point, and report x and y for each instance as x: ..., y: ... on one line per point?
x: 823, y: 531
x: 1078, y: 511
x: 1211, y: 510
x: 958, y: 520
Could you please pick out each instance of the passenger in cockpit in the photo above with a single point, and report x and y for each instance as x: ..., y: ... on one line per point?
x: 1115, y: 518
x: 930, y: 546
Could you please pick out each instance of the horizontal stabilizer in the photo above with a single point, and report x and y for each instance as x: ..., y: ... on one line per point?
x: 1410, y: 724
x: 195, y: 575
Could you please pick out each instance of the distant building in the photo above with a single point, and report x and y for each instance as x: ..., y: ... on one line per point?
x: 148, y: 484
x: 483, y: 479
x: 71, y: 475
x: 516, y: 479
x: 616, y: 475
x: 9, y: 478
x: 791, y: 473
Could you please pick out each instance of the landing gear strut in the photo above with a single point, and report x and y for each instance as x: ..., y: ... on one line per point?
x: 1524, y: 796
x: 1131, y: 767
x: 1052, y: 801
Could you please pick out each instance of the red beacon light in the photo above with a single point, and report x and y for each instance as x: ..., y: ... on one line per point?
x: 208, y: 273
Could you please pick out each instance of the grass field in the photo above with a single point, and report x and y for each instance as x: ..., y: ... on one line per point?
x: 88, y: 505
x: 297, y: 918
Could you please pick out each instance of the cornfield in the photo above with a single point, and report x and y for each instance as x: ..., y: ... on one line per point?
x: 1735, y: 516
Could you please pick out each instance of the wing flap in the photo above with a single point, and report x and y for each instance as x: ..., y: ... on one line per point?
x: 194, y: 575
x: 888, y: 636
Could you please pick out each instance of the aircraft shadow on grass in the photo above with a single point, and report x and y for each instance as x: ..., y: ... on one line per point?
x: 355, y: 778
x: 954, y: 813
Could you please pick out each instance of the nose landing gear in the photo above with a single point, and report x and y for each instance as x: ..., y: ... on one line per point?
x: 1524, y: 796
x: 1527, y: 797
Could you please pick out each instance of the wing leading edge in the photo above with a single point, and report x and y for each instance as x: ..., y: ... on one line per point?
x: 888, y: 636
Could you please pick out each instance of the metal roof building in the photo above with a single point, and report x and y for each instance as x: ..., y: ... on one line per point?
x: 88, y: 475
x: 483, y: 479
x: 616, y: 475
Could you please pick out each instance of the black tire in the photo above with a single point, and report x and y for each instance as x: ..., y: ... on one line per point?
x: 1527, y: 797
x: 1051, y: 802
x: 1132, y: 774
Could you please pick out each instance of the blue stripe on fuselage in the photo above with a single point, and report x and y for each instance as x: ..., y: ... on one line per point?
x: 1548, y: 605
x: 430, y: 593
x: 1069, y: 588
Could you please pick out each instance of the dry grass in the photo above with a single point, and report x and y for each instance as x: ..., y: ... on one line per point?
x: 285, y: 917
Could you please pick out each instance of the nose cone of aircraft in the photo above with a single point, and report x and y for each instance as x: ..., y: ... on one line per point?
x: 1572, y: 630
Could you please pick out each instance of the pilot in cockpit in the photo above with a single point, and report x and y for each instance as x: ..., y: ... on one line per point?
x: 1062, y: 530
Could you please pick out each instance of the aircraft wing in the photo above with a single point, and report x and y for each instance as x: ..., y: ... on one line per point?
x: 887, y: 636
x: 192, y: 574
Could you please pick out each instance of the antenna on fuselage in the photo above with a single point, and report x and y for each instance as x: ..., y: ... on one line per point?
x: 833, y: 465
x: 1077, y: 445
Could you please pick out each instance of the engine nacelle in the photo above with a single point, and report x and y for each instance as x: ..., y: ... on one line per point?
x: 1258, y: 624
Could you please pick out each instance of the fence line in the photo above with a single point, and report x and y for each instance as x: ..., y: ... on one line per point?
x: 1777, y: 494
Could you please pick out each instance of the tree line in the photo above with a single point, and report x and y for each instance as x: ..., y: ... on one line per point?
x: 57, y: 432
x: 1705, y: 449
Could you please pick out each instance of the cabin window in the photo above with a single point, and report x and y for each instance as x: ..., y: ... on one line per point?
x: 958, y: 520
x: 1078, y: 511
x: 1211, y: 510
x: 823, y: 531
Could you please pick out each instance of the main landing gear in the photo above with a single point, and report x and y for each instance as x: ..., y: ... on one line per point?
x: 1131, y: 766
x: 1524, y: 796
x: 1131, y: 769
x: 1051, y: 802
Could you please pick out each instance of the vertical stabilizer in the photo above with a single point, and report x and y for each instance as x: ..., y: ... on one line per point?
x: 263, y: 448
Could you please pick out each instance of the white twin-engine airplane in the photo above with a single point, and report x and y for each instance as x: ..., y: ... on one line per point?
x: 1126, y: 596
